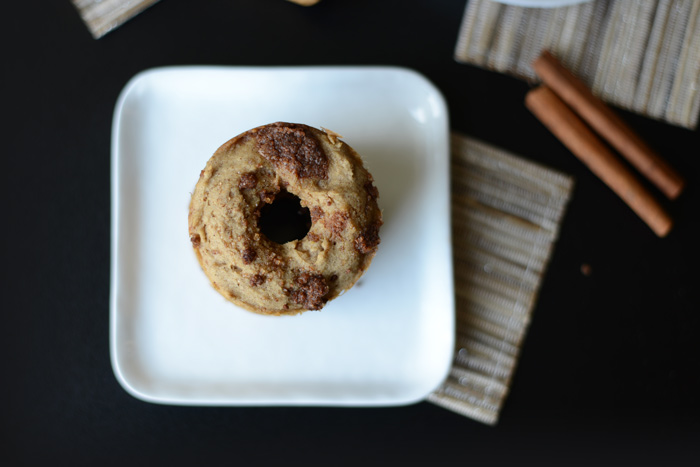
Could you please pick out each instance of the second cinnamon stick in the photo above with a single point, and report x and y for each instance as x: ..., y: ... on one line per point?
x: 581, y: 141
x: 608, y: 124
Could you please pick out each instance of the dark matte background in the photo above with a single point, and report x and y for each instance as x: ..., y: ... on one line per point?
x: 609, y: 371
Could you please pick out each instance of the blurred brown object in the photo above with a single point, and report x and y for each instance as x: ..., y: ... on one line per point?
x: 304, y: 2
x: 586, y: 269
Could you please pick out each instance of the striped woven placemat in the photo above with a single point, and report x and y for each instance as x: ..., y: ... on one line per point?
x: 101, y: 16
x: 640, y: 55
x: 506, y: 213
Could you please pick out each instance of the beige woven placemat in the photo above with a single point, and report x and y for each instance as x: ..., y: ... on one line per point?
x: 505, y: 219
x: 640, y: 55
x: 101, y: 16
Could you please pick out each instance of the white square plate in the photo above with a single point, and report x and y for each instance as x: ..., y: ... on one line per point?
x: 387, y: 341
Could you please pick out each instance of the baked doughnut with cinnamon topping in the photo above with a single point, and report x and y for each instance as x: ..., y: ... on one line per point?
x: 284, y: 218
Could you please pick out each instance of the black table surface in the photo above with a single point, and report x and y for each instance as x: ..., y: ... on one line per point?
x: 608, y: 373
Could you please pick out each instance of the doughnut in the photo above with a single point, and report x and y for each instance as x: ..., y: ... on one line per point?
x: 284, y: 218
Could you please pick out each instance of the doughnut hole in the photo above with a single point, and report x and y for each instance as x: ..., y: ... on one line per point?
x: 285, y: 219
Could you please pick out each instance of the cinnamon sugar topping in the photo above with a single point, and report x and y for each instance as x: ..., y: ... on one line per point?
x: 289, y: 146
x: 310, y: 292
x: 196, y: 240
x: 248, y: 181
x: 336, y: 223
x: 369, y: 239
x: 257, y: 279
x: 249, y: 255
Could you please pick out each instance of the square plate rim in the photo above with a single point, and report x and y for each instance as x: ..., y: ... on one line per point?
x: 114, y: 237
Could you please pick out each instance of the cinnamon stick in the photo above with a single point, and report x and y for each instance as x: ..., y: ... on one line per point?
x: 581, y: 141
x: 608, y: 124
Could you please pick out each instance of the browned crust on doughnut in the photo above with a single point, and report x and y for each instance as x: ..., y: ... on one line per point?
x: 368, y: 240
x: 248, y: 181
x: 292, y: 147
x: 310, y: 290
